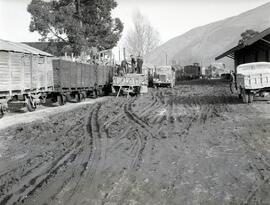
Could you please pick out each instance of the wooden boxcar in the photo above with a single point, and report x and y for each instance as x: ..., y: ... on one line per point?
x: 24, y: 73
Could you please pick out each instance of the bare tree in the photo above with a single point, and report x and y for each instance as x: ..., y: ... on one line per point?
x: 142, y: 38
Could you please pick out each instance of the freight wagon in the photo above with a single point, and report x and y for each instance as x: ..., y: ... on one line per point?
x: 76, y: 81
x: 24, y: 72
x: 192, y: 72
x: 29, y: 77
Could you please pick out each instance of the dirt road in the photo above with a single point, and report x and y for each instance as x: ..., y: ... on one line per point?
x: 194, y: 144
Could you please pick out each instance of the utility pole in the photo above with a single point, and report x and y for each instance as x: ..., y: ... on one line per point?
x: 124, y: 52
x: 166, y: 55
x: 78, y: 11
x: 119, y: 55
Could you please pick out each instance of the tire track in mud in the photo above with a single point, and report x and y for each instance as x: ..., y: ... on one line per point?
x: 84, y: 158
x: 43, y: 155
x: 150, y: 106
x: 260, y: 162
x: 36, y: 181
x: 38, y: 177
x: 169, y: 117
x: 144, y: 133
x: 136, y: 163
x: 90, y: 159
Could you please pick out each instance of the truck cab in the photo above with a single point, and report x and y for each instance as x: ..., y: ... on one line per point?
x: 164, y: 76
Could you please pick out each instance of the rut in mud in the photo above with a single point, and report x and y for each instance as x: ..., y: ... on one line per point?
x: 194, y: 144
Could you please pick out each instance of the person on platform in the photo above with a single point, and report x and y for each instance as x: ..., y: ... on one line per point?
x: 139, y: 64
x: 232, y: 81
x: 133, y: 63
x: 124, y: 65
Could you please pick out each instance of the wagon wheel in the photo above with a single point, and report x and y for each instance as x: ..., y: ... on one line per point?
x: 77, y: 98
x: 84, y: 95
x: 59, y: 100
x: 68, y: 97
x: 81, y: 95
x: 100, y: 92
x: 64, y: 98
x: 43, y: 100
x: 250, y: 97
x: 30, y: 105
x: 94, y: 93
x: 1, y: 111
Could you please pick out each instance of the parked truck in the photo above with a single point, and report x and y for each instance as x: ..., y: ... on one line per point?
x: 253, y: 79
x: 164, y: 76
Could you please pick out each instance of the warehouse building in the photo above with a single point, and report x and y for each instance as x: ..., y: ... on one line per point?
x: 255, y: 49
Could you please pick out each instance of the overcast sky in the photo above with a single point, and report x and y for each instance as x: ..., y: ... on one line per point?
x: 170, y: 17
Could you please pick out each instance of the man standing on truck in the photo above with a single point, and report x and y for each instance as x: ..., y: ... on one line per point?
x: 133, y: 63
x: 232, y: 81
x: 124, y: 64
x: 139, y: 64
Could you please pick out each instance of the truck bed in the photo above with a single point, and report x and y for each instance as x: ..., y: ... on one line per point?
x: 254, y: 81
x: 130, y: 80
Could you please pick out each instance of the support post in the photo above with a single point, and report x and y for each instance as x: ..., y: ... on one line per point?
x: 119, y: 91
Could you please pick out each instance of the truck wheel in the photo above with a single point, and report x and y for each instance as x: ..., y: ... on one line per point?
x: 250, y: 97
x: 59, y: 100
x: 240, y: 96
x: 244, y: 96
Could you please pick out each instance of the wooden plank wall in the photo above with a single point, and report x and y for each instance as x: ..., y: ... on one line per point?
x: 49, y: 72
x: 73, y: 75
x: 4, y: 72
x: 24, y: 72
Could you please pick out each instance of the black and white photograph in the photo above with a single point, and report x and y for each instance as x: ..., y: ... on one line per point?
x: 134, y: 102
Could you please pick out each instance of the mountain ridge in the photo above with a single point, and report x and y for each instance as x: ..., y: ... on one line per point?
x: 202, y: 44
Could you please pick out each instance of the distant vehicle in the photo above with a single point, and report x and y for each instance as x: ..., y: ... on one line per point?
x: 164, y: 76
x: 192, y: 72
x: 130, y: 83
x: 253, y: 79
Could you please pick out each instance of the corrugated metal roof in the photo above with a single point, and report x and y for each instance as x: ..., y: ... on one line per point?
x: 230, y: 53
x: 21, y: 48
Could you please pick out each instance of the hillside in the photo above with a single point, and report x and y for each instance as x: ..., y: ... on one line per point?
x: 203, y: 44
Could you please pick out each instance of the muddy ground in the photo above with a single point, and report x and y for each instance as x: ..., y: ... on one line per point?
x: 194, y: 144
